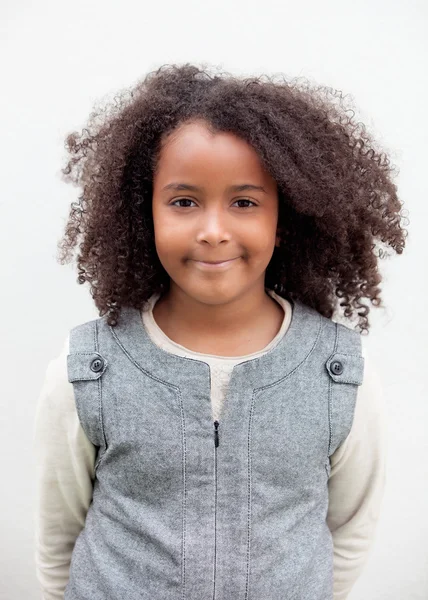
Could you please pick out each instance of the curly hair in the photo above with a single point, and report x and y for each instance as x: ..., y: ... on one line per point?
x: 337, y: 200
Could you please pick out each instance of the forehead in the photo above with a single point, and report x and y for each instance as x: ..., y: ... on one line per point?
x: 193, y: 149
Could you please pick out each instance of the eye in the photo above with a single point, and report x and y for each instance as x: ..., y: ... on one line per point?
x: 189, y: 200
x: 246, y: 200
x: 181, y: 200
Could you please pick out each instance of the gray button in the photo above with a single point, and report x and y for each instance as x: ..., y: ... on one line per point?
x: 336, y: 367
x: 97, y: 364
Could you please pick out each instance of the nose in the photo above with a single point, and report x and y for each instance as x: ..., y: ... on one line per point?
x: 213, y: 226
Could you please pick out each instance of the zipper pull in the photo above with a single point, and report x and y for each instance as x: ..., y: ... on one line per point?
x: 216, y: 442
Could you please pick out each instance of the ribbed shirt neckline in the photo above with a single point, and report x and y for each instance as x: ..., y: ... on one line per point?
x: 158, y: 335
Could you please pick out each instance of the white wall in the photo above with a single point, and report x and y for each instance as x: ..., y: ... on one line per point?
x: 57, y: 59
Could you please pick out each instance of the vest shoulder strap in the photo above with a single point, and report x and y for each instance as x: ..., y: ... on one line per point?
x: 346, y: 364
x: 345, y: 367
x: 86, y: 366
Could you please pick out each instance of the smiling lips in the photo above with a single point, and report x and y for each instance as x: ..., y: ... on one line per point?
x: 216, y: 263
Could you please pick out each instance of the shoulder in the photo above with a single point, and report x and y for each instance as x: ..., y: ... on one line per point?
x: 83, y: 339
x: 56, y: 397
x: 371, y: 396
x: 342, y: 330
x: 56, y: 371
x: 81, y: 330
x: 369, y: 427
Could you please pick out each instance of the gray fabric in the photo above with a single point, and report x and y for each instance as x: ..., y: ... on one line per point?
x: 174, y: 517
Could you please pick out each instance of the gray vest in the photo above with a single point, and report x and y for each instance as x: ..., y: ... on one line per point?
x: 185, y: 508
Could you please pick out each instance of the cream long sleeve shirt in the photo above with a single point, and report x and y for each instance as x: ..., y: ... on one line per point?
x: 65, y: 458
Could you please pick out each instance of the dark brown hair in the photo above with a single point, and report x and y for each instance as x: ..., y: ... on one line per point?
x: 337, y: 200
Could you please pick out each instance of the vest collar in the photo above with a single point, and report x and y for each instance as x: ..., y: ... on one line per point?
x: 297, y: 343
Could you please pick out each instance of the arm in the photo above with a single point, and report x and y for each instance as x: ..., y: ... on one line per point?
x: 356, y: 484
x: 64, y: 471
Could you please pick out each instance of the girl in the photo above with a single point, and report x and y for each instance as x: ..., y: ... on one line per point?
x: 216, y: 432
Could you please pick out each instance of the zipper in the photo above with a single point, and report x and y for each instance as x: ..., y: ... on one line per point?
x: 216, y: 443
x: 216, y: 424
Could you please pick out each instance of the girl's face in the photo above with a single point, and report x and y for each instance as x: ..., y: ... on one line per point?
x: 213, y: 201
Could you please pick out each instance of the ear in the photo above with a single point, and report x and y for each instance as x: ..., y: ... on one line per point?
x: 278, y: 237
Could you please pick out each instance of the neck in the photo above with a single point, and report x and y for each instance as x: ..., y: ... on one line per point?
x: 187, y: 320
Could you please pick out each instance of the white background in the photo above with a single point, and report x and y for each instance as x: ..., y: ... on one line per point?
x: 57, y: 59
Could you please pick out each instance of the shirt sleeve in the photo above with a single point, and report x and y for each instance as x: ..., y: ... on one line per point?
x: 64, y: 471
x: 356, y: 483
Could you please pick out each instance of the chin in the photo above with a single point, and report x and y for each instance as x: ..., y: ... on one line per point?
x: 214, y: 294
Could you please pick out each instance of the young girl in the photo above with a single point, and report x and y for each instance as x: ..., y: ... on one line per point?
x: 216, y: 433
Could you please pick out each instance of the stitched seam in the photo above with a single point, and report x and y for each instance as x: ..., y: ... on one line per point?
x: 329, y: 425
x: 174, y: 387
x: 266, y: 387
x: 100, y: 413
x: 183, y: 549
x: 134, y: 362
x: 86, y: 378
x: 330, y: 394
x: 249, y: 498
x: 357, y: 382
x: 87, y: 353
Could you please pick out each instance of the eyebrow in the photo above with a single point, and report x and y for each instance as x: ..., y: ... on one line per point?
x: 194, y: 188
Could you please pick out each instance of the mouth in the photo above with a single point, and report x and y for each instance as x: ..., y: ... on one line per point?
x: 217, y: 264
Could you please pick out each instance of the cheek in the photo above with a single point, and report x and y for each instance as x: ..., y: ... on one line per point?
x: 261, y: 248
x: 261, y: 239
x: 169, y: 237
x: 172, y: 254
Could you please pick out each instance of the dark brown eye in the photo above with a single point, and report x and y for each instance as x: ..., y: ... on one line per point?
x: 181, y: 200
x: 246, y: 200
x: 174, y: 203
